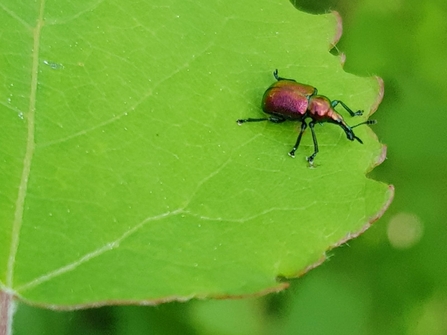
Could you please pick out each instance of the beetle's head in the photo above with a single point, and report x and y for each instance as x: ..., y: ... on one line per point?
x: 351, y: 136
x: 348, y: 130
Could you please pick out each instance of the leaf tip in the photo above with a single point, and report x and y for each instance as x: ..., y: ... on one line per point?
x: 380, y: 94
x: 338, y: 29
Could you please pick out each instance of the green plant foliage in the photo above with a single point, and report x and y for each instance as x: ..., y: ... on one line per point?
x: 125, y: 178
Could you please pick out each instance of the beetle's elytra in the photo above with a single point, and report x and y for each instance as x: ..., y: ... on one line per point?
x: 287, y: 99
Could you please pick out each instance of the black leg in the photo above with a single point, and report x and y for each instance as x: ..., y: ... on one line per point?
x: 241, y: 121
x: 352, y: 133
x: 277, y: 119
x: 298, y: 140
x: 366, y: 122
x: 274, y: 119
x: 314, y: 137
x: 336, y: 102
x: 275, y: 74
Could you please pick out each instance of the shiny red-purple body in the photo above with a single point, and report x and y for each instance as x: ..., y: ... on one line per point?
x: 295, y: 101
x: 287, y: 98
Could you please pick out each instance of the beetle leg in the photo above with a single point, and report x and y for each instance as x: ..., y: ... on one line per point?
x: 241, y: 121
x: 278, y: 78
x: 366, y: 122
x: 298, y: 140
x: 274, y: 119
x: 349, y: 110
x: 314, y: 137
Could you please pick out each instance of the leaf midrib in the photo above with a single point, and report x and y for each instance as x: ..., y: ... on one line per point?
x: 29, y: 153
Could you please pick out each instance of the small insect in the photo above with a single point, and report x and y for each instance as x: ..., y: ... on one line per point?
x: 287, y: 99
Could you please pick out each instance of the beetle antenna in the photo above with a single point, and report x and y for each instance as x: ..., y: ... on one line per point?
x: 366, y: 122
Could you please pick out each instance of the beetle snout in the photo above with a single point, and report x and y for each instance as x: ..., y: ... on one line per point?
x: 350, y: 135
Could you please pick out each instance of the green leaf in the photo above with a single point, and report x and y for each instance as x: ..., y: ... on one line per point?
x: 125, y: 178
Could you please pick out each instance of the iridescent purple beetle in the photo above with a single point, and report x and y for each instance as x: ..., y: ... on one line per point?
x: 287, y: 99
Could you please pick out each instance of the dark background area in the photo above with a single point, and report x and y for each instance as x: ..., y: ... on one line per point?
x: 390, y: 280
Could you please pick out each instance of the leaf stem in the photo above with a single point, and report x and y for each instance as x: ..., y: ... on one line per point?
x: 7, y: 308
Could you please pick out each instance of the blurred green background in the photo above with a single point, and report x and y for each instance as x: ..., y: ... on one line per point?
x: 392, y: 279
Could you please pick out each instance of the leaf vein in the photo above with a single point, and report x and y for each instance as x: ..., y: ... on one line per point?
x: 29, y: 153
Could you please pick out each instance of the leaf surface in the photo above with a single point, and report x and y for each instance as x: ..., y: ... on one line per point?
x: 125, y: 178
